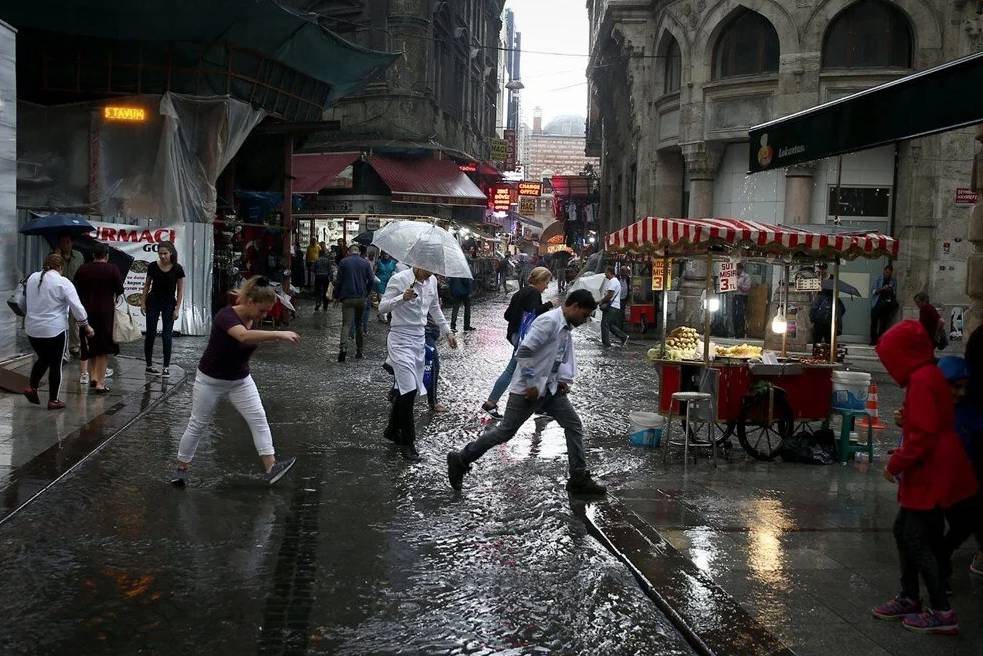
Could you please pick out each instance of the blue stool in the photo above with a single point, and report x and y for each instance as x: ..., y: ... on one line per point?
x: 843, y: 446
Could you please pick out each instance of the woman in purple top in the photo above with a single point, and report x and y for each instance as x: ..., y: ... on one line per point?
x: 224, y: 371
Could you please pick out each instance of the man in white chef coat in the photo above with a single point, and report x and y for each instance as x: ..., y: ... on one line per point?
x: 410, y: 296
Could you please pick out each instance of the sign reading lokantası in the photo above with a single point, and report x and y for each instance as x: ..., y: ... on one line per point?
x: 141, y: 244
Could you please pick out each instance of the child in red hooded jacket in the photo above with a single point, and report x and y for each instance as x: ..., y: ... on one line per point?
x: 932, y: 472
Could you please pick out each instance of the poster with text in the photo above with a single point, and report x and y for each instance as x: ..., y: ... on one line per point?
x: 141, y: 244
x: 727, y: 282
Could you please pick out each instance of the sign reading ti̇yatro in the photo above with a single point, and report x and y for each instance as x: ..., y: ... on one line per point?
x: 117, y: 113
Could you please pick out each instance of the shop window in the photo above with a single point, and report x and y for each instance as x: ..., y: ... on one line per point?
x: 868, y: 34
x: 747, y: 46
x: 871, y: 202
x: 673, y: 65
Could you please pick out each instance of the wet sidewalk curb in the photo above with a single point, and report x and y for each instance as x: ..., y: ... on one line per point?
x: 32, y: 479
x: 711, y: 620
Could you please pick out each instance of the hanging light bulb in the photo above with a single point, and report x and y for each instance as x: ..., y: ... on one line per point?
x: 779, y: 325
x: 711, y: 302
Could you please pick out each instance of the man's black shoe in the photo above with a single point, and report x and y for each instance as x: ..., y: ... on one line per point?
x: 582, y: 483
x: 389, y: 435
x: 469, y: 329
x: 358, y: 355
x: 409, y: 452
x: 456, y: 469
x: 388, y: 368
x: 341, y: 356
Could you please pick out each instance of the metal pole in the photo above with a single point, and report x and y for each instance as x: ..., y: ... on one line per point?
x: 665, y: 299
x: 788, y: 268
x: 839, y: 179
x: 833, y: 322
x: 706, y: 310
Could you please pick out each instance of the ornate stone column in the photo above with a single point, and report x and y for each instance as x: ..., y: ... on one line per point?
x: 702, y: 162
x: 974, y: 267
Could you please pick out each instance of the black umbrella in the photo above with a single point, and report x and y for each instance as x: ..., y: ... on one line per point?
x: 52, y: 225
x: 365, y: 239
x: 845, y: 287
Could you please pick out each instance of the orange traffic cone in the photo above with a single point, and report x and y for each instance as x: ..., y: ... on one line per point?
x: 872, y: 410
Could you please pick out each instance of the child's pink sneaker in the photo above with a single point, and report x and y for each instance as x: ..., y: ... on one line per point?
x: 897, y: 608
x: 943, y: 622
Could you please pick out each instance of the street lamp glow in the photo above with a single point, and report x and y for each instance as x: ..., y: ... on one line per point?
x: 591, y: 240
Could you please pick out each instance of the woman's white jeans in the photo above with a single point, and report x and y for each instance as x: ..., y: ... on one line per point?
x: 243, y: 395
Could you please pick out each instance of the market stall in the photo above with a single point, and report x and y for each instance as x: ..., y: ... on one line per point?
x: 760, y: 394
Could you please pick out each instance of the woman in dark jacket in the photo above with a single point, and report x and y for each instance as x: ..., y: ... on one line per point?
x: 99, y: 283
x: 527, y: 301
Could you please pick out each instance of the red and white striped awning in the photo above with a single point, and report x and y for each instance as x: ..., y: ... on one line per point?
x: 691, y: 236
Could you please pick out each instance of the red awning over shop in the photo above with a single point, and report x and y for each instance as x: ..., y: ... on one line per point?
x: 427, y: 181
x: 312, y: 172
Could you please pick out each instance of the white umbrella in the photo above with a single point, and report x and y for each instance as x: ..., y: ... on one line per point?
x: 425, y: 246
x: 591, y: 282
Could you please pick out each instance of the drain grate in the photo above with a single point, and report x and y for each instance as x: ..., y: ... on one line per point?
x: 286, y: 618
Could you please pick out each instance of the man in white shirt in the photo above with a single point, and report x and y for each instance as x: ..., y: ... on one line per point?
x: 613, y: 314
x: 739, y: 307
x: 410, y: 297
x: 541, y: 382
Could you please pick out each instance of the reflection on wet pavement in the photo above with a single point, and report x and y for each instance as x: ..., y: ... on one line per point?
x: 355, y: 552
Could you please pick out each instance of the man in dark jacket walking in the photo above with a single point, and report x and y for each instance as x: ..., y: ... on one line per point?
x: 355, y: 279
x: 460, y: 289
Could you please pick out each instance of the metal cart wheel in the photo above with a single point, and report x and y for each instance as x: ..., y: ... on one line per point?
x: 766, y: 420
x: 723, y: 431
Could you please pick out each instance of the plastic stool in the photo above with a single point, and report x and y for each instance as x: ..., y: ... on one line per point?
x: 693, y: 401
x: 843, y: 447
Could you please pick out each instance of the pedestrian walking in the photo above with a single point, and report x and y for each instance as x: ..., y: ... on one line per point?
x: 524, y: 306
x: 547, y: 368
x: 613, y: 315
x: 932, y: 473
x: 503, y: 273
x: 385, y: 267
x: 964, y: 518
x: 163, y: 293
x: 311, y: 257
x: 560, y: 261
x: 460, y: 289
x: 739, y: 302
x: 411, y: 296
x: 932, y: 321
x: 223, y: 371
x: 883, y: 303
x: 355, y: 279
x: 49, y: 297
x: 99, y: 284
x: 72, y: 259
x: 431, y: 371
x: 323, y: 275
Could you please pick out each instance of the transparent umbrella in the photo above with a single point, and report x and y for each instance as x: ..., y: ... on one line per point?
x: 425, y: 246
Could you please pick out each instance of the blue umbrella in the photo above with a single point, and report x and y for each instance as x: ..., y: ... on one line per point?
x: 52, y: 225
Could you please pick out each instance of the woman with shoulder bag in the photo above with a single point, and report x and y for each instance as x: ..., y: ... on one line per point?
x: 49, y: 296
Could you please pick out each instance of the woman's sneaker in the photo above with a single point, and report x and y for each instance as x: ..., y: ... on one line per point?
x: 943, y: 622
x: 278, y: 470
x: 152, y: 371
x: 897, y: 608
x: 165, y: 372
x: 976, y: 566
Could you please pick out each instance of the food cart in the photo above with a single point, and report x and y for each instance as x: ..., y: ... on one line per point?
x: 762, y: 401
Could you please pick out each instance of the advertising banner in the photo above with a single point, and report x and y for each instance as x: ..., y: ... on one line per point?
x: 141, y: 244
x: 727, y: 282
x: 661, y: 277
x: 511, y: 154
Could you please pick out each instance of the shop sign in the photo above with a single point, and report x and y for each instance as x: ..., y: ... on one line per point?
x: 511, y: 151
x: 661, y: 275
x: 372, y: 222
x: 141, y: 244
x: 527, y: 206
x: 966, y: 197
x: 557, y: 239
x: 126, y: 114
x: 727, y: 281
x: 527, y: 188
x: 470, y: 167
x: 499, y: 150
x: 803, y: 284
x: 499, y: 198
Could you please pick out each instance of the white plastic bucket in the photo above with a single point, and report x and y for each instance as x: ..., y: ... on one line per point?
x: 646, y: 428
x: 850, y: 389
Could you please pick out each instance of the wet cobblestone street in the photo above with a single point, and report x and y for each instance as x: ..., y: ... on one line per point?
x: 355, y: 552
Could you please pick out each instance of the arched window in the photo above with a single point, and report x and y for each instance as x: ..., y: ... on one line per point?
x: 868, y: 34
x: 747, y: 46
x: 672, y: 70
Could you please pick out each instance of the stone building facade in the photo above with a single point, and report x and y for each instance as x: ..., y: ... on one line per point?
x: 442, y: 93
x: 555, y: 154
x: 675, y: 85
